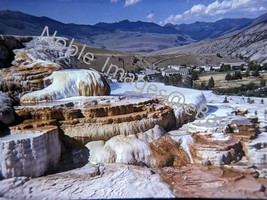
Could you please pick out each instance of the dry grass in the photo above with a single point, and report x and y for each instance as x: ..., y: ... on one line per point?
x: 220, y: 81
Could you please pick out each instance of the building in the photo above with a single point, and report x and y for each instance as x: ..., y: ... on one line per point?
x: 181, y: 71
x: 151, y: 74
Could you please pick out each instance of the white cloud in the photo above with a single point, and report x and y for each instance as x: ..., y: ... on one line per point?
x: 150, y: 16
x: 127, y: 2
x: 219, y: 8
x: 131, y: 2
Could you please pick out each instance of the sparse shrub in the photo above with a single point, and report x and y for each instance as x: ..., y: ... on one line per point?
x: 225, y: 100
x: 203, y: 86
x: 255, y: 73
x: 218, y: 55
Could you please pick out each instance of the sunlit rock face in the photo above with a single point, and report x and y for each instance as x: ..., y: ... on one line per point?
x: 69, y: 83
x: 102, y: 118
x: 29, y: 151
x: 105, y: 181
x: 117, y: 129
x: 131, y: 149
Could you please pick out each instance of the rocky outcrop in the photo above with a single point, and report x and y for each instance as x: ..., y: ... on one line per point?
x: 133, y: 149
x: 90, y: 182
x: 213, y: 145
x: 29, y: 151
x: 86, y: 122
x: 257, y: 150
x: 69, y: 83
x: 33, y: 67
x: 198, y: 181
x: 7, y: 114
x: 7, y: 44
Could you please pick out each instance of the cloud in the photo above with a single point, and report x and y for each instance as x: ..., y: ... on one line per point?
x: 150, y: 16
x: 131, y: 2
x: 218, y: 8
x: 127, y: 2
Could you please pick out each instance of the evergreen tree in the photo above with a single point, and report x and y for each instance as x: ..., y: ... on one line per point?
x: 211, y: 83
x: 247, y: 74
x: 228, y: 77
x: 262, y: 83
x: 194, y: 76
x: 237, y: 75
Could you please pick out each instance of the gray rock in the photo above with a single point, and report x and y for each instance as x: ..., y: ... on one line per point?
x: 7, y: 44
x: 7, y: 114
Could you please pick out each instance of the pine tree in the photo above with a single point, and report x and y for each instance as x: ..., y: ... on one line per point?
x: 247, y: 74
x: 228, y: 77
x: 211, y: 83
x: 194, y: 76
x: 262, y: 83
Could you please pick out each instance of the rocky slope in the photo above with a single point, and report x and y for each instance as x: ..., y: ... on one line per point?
x: 249, y: 43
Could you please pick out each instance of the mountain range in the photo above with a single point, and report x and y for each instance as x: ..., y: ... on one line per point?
x: 137, y: 37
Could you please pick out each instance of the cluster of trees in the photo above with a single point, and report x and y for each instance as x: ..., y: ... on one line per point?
x: 238, y: 75
x: 204, y: 86
x: 252, y: 66
x: 235, y: 76
x: 250, y: 89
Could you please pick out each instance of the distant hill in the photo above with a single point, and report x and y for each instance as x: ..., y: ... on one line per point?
x: 205, y: 30
x: 139, y: 26
x: 248, y: 43
x: 18, y: 23
x: 137, y: 37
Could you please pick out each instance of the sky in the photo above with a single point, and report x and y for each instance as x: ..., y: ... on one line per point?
x: 157, y: 11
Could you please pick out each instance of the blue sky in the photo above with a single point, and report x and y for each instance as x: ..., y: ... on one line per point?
x: 158, y: 11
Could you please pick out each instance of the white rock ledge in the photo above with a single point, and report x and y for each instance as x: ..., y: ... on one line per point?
x: 30, y: 153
